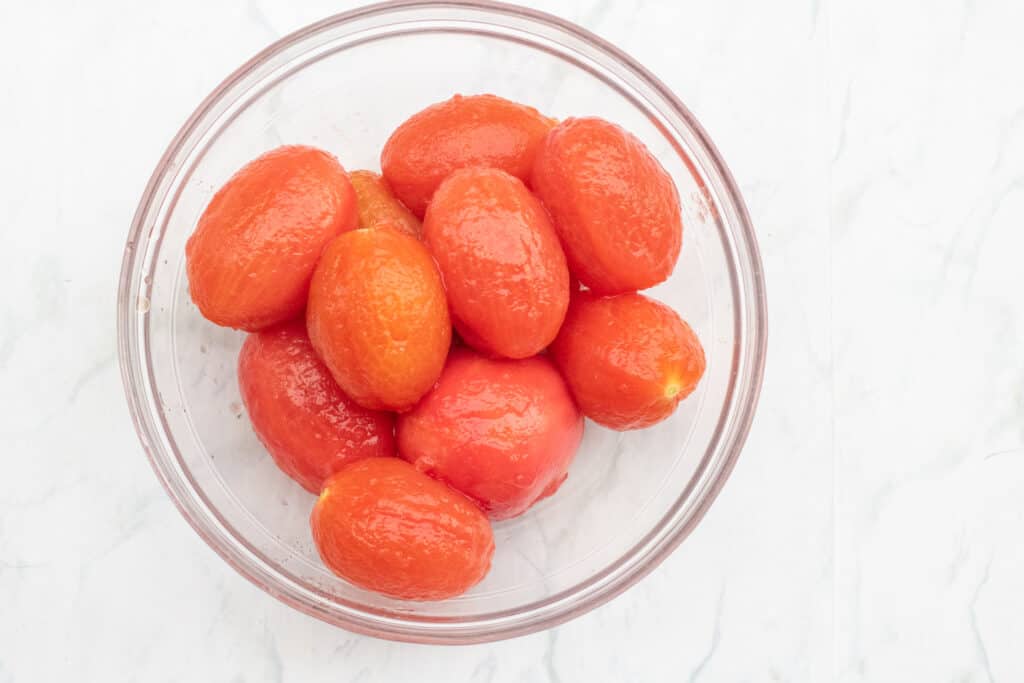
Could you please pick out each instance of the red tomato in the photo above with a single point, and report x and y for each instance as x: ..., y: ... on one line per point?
x: 298, y: 411
x: 503, y: 268
x: 501, y: 431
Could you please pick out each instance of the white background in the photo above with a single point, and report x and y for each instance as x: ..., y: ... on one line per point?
x: 873, y: 529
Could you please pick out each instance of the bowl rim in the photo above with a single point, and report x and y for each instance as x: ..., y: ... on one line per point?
x: 387, y: 625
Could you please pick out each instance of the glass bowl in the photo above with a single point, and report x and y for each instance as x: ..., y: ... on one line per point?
x: 344, y: 84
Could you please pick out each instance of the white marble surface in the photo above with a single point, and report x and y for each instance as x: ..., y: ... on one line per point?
x: 874, y: 527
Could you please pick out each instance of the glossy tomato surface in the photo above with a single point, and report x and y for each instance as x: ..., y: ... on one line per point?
x: 386, y: 527
x: 478, y: 130
x: 615, y: 208
x: 378, y: 317
x: 307, y: 423
x: 503, y: 267
x: 501, y: 431
x: 251, y: 257
x: 628, y: 359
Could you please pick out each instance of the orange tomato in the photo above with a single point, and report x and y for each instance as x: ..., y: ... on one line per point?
x: 628, y: 359
x: 501, y: 431
x: 385, y: 527
x: 479, y: 130
x: 377, y: 316
x: 503, y: 268
x: 615, y: 208
x: 309, y: 426
x: 254, y: 249
x: 378, y: 205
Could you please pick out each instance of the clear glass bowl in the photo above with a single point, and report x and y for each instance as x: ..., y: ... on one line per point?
x: 343, y: 84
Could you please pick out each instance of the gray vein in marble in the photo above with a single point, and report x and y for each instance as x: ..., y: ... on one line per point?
x: 255, y: 13
x: 91, y: 373
x: 526, y: 556
x: 969, y: 7
x: 361, y: 675
x: 14, y: 205
x: 978, y: 640
x: 9, y: 342
x: 549, y: 656
x: 986, y: 227
x: 960, y: 558
x: 276, y: 665
x: 969, y: 256
x: 17, y: 566
x: 957, y: 254
x: 129, y: 525
x: 816, y: 9
x: 847, y: 204
x: 31, y: 501
x: 937, y: 467
x: 1010, y: 451
x: 716, y: 636
x: 844, y: 122
x: 607, y: 478
x: 346, y: 648
x: 14, y: 435
x: 598, y: 12
x: 855, y: 646
x: 485, y: 669
x: 1014, y: 121
x: 222, y: 607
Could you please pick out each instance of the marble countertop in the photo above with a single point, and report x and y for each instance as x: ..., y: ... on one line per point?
x: 873, y: 529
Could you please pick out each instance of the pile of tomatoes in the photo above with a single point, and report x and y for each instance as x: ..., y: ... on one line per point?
x: 524, y: 239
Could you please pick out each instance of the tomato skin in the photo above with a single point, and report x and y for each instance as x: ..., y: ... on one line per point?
x: 478, y: 130
x: 502, y: 264
x: 615, y: 208
x: 378, y: 317
x: 628, y: 359
x: 378, y: 205
x: 503, y: 432
x: 309, y: 426
x: 385, y: 527
x: 252, y: 254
